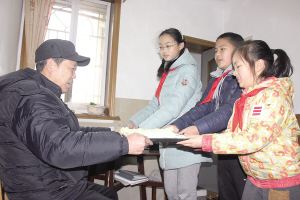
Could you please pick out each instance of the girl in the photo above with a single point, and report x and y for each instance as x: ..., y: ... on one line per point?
x: 263, y: 129
x: 212, y: 113
x: 178, y: 91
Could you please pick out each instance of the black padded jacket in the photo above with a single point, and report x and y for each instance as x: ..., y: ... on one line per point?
x: 43, y: 151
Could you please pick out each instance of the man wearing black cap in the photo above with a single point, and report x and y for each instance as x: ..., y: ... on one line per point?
x: 43, y: 151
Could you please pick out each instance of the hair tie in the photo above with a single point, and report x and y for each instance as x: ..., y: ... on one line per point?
x: 273, y: 51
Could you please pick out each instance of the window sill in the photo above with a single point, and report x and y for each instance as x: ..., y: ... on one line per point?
x: 101, y: 117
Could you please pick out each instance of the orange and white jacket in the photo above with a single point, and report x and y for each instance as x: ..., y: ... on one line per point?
x: 267, y: 144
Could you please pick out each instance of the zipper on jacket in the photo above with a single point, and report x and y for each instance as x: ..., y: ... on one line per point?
x: 73, y: 181
x: 64, y: 185
x: 164, y: 161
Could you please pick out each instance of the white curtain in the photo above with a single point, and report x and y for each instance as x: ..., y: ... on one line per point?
x: 37, y: 15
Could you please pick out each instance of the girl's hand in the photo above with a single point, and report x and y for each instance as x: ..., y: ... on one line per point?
x: 191, y: 130
x: 175, y: 129
x: 195, y: 141
x: 131, y: 125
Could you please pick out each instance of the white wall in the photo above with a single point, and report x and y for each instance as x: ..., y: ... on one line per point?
x: 141, y: 23
x: 10, y: 15
x: 274, y: 21
x: 198, y: 57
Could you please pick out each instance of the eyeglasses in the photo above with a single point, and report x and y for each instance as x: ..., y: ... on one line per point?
x: 161, y: 48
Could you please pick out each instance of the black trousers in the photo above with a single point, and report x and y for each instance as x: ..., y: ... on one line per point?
x: 98, y: 192
x: 231, y: 178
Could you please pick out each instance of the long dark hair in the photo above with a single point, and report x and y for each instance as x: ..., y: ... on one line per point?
x: 253, y: 50
x: 177, y: 36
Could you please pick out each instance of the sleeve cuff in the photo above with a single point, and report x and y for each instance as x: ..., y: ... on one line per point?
x: 125, y: 146
x: 207, y: 143
x: 178, y: 125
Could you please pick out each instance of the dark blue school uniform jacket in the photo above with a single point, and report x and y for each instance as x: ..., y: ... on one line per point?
x: 207, y: 117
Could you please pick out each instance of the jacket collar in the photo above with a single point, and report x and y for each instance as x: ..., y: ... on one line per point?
x: 185, y: 59
x: 219, y: 72
x: 45, y: 82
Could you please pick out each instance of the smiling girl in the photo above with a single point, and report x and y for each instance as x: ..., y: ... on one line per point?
x: 263, y: 129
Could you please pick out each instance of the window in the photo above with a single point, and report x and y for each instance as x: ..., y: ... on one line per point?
x: 86, y: 24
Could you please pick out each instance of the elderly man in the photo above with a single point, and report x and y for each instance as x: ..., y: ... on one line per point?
x: 43, y: 151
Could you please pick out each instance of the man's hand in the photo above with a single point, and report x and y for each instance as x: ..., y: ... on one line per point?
x: 132, y: 125
x: 137, y: 143
x: 191, y: 130
x: 195, y: 141
x: 175, y: 129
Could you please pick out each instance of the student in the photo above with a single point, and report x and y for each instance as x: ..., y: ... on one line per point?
x: 212, y: 112
x: 263, y: 128
x: 178, y: 91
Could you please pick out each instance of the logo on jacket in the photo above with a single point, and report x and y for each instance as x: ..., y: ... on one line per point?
x: 185, y: 82
x: 257, y: 110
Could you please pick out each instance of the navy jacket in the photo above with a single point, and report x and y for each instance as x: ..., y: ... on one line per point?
x: 43, y: 150
x: 206, y: 117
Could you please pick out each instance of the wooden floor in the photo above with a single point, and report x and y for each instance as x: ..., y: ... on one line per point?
x: 7, y: 198
x: 199, y: 198
x: 1, y: 196
x: 1, y: 192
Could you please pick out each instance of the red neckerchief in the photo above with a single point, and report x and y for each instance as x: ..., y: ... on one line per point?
x: 239, y: 108
x: 213, y: 88
x: 162, y: 80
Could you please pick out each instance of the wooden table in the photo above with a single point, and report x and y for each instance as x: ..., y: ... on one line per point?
x: 109, y: 181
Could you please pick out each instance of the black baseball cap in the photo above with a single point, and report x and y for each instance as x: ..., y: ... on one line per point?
x: 56, y: 48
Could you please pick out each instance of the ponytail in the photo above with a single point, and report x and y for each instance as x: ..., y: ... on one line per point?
x: 253, y: 50
x: 178, y: 37
x: 282, y: 65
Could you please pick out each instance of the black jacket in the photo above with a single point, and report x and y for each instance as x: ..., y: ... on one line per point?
x: 206, y: 117
x: 43, y: 150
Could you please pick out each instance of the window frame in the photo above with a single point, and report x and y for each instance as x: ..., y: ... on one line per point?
x: 112, y: 61
x: 113, y: 55
x: 73, y: 39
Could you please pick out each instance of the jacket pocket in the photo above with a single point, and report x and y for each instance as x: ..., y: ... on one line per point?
x: 74, y: 176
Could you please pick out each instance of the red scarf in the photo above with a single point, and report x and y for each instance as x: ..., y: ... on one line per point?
x: 239, y: 108
x: 162, y: 80
x: 213, y: 88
